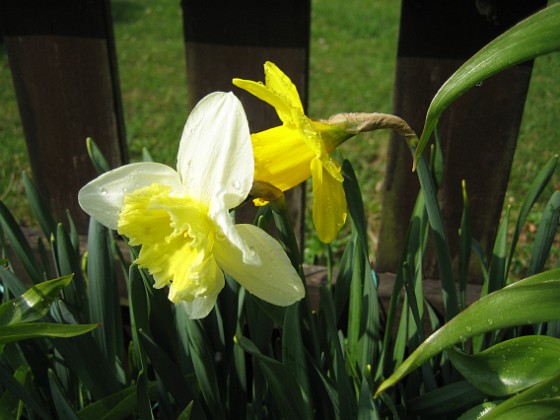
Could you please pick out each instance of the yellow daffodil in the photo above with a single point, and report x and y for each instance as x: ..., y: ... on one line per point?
x: 300, y: 148
x: 181, y: 218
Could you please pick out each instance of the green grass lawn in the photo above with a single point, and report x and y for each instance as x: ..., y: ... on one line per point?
x: 352, y: 66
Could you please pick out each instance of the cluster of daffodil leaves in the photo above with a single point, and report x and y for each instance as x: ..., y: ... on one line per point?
x: 181, y: 218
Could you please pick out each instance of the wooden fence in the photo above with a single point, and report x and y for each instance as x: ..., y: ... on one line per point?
x: 63, y: 62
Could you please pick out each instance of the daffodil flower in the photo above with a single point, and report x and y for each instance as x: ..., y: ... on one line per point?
x: 181, y: 218
x: 300, y: 148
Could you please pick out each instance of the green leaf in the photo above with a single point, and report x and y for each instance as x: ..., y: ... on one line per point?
x: 446, y: 399
x: 541, y: 401
x: 68, y: 261
x: 34, y: 304
x: 465, y: 244
x: 535, y: 299
x: 168, y: 371
x: 96, y: 156
x: 284, y: 388
x: 293, y: 352
x: 510, y: 366
x: 64, y: 409
x: 25, y: 331
x: 16, y: 385
x: 355, y: 203
x: 533, y: 193
x: 545, y: 235
x: 83, y: 358
x: 345, y: 392
x: 443, y: 254
x: 118, y: 405
x: 498, y: 261
x: 537, y: 35
x: 366, y: 407
x: 143, y: 400
x: 38, y: 206
x: 19, y: 245
x: 204, y: 366
x: 478, y: 411
x: 104, y: 305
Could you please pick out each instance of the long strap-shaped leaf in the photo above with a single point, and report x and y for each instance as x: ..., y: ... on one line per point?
x: 528, y: 301
x: 537, y: 35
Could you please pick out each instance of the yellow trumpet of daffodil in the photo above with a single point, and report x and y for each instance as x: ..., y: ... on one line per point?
x: 300, y: 148
x: 181, y: 218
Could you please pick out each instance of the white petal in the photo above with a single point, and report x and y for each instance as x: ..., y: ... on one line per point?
x: 225, y: 222
x: 103, y: 197
x: 273, y: 279
x: 215, y: 158
x: 199, y: 307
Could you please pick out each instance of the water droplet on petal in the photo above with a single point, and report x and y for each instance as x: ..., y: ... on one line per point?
x: 237, y: 184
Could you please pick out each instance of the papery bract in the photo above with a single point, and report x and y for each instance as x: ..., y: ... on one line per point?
x: 181, y: 218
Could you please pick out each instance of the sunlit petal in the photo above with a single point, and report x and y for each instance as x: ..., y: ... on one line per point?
x: 215, y: 159
x: 278, y: 82
x: 273, y: 280
x: 200, y: 307
x: 281, y: 157
x: 228, y: 230
x: 265, y: 94
x: 103, y: 197
x: 329, y: 203
x: 287, y: 155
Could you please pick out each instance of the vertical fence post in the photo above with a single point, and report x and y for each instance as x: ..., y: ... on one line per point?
x: 63, y: 65
x: 479, y: 130
x: 225, y: 39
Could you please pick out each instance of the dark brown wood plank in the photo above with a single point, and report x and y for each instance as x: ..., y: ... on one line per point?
x: 479, y: 131
x: 63, y: 65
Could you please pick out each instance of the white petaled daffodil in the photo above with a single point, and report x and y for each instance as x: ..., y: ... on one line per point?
x: 181, y: 218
